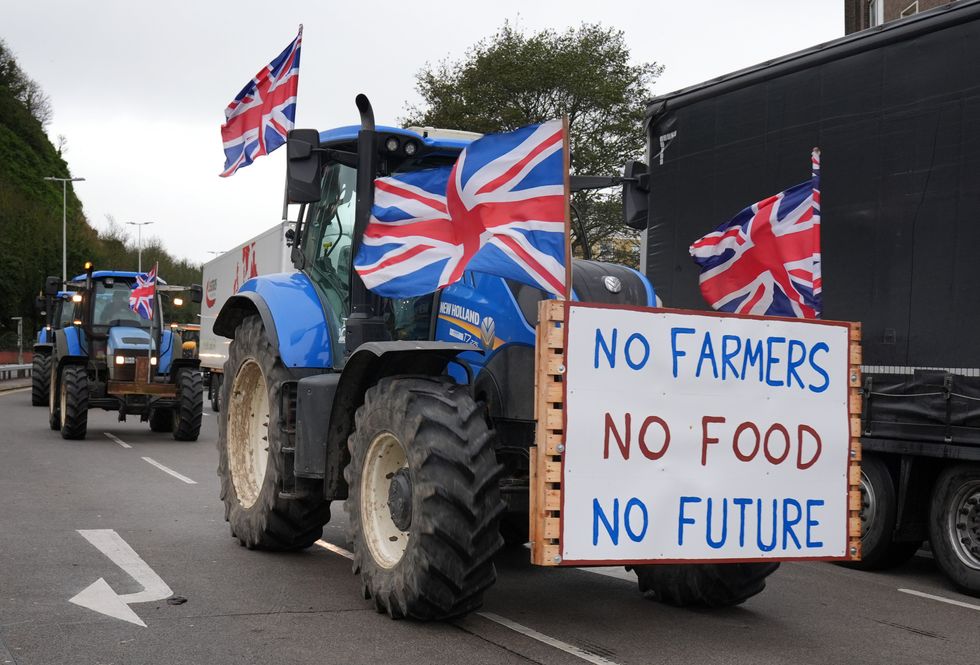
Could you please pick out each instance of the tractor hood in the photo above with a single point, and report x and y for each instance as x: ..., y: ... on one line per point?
x: 124, y: 338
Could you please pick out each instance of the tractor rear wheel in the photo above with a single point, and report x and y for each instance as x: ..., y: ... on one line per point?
x: 74, y: 402
x: 424, y: 500
x: 40, y: 379
x: 190, y: 405
x: 250, y: 443
x: 703, y: 584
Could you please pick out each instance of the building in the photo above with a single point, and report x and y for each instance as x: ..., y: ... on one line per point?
x: 863, y: 14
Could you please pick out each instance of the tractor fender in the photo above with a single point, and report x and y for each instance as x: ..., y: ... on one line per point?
x: 43, y: 348
x: 326, y: 403
x: 294, y: 318
x: 68, y: 346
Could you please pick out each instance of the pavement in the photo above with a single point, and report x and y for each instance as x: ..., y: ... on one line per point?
x: 160, y: 499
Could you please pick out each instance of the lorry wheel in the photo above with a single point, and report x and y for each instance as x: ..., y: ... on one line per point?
x: 703, y: 584
x: 879, y: 509
x: 215, y: 391
x: 190, y: 405
x: 954, y: 525
x: 249, y: 459
x: 423, y: 501
x: 40, y: 379
x: 74, y: 402
x: 161, y: 420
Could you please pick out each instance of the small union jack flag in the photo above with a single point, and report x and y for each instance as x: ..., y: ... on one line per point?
x: 766, y: 259
x: 141, y: 297
x: 500, y: 209
x: 261, y: 115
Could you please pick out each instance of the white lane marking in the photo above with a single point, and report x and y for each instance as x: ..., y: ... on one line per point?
x: 507, y: 623
x: 100, y: 597
x: 166, y: 469
x: 205, y: 413
x: 333, y: 548
x: 545, y: 639
x: 115, y: 438
x: 616, y: 572
x: 950, y: 601
x: 15, y: 390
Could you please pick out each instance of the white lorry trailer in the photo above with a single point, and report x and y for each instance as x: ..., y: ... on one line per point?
x: 224, y: 275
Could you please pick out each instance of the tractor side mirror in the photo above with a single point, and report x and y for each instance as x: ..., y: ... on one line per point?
x: 51, y: 286
x: 636, y: 193
x: 197, y: 294
x: 303, y: 166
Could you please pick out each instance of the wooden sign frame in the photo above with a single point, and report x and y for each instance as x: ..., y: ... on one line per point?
x: 546, y: 455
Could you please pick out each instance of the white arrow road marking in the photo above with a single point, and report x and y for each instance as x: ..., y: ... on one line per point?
x: 100, y: 597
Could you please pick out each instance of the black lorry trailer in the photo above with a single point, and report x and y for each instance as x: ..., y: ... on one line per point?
x: 896, y: 113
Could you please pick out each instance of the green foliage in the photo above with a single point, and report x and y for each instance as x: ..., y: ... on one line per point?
x: 514, y: 79
x: 31, y: 212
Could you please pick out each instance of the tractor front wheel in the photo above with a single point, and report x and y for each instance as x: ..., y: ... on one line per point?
x: 190, y: 405
x: 424, y: 500
x: 703, y: 584
x: 250, y: 442
x: 73, y: 402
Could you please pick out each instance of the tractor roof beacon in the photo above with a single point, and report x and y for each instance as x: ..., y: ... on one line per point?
x: 417, y: 413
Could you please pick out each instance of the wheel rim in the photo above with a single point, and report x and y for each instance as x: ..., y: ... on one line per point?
x: 385, y: 458
x: 869, y: 504
x: 248, y: 432
x: 963, y: 524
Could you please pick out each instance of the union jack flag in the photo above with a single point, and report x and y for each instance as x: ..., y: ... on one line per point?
x: 261, y: 115
x: 500, y: 209
x: 141, y: 297
x: 766, y: 259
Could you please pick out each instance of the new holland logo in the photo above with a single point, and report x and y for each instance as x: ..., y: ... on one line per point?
x: 488, y: 332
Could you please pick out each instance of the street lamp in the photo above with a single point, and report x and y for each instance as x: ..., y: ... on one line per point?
x: 64, y: 222
x: 139, y: 234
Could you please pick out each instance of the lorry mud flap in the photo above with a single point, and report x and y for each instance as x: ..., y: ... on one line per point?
x: 314, y: 401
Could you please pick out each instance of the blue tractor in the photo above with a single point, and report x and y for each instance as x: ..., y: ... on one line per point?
x: 56, y: 312
x: 417, y: 413
x: 111, y: 358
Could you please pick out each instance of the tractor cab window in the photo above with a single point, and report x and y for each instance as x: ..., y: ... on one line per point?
x: 111, y: 306
x: 329, y: 233
x: 64, y: 314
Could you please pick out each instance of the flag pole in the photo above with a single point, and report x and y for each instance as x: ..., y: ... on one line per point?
x: 285, y: 187
x: 153, y: 305
x: 566, y: 165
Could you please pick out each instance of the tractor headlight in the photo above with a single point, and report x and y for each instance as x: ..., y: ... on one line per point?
x: 411, y: 147
x: 178, y: 301
x: 77, y: 297
x: 153, y: 361
x: 391, y: 144
x: 120, y: 360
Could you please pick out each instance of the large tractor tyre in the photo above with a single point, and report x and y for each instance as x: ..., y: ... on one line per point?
x: 162, y: 420
x: 54, y: 401
x: 703, y: 584
x: 40, y: 379
x: 954, y: 525
x: 73, y: 402
x: 424, y: 500
x: 189, y: 411
x: 879, y: 510
x: 249, y: 452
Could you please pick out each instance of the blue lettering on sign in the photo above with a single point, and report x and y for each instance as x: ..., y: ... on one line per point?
x: 819, y: 346
x: 751, y: 357
x: 812, y: 523
x: 793, y: 362
x: 727, y: 355
x: 682, y: 520
x: 629, y: 356
x: 717, y: 544
x: 707, y: 352
x: 772, y: 359
x: 627, y: 522
x: 611, y: 529
x: 677, y: 353
x: 789, y: 523
x: 600, y: 341
x: 771, y: 545
x: 741, y: 503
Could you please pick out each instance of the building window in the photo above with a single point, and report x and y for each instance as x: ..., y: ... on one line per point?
x: 876, y: 12
x: 913, y: 8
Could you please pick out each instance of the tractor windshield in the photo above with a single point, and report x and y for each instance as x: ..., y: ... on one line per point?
x: 64, y: 314
x: 111, y: 306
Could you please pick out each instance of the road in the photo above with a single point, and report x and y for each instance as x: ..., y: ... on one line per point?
x: 252, y: 607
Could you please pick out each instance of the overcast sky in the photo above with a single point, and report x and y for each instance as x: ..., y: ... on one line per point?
x: 139, y: 88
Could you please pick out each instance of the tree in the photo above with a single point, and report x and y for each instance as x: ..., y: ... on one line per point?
x: 514, y: 79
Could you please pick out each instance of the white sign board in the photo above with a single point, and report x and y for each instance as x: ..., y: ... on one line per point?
x: 700, y: 436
